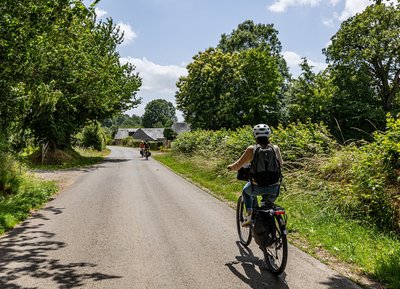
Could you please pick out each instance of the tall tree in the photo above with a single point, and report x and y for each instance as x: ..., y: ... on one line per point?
x: 310, y: 96
x: 64, y: 68
x: 251, y: 35
x: 159, y: 113
x: 365, y: 59
x: 230, y: 89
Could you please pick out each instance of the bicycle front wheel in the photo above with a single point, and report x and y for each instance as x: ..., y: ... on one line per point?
x: 243, y: 232
x: 276, y: 254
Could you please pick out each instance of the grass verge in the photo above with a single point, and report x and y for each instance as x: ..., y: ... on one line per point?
x: 32, y: 194
x: 328, y: 235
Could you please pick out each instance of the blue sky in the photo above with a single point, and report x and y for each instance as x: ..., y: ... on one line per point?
x: 162, y: 36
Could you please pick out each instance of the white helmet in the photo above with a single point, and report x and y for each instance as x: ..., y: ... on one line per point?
x: 262, y: 130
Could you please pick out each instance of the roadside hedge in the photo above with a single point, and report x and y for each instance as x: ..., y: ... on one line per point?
x: 360, y: 180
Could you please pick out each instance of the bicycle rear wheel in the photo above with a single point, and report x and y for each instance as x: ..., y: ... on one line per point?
x: 276, y: 255
x: 243, y: 232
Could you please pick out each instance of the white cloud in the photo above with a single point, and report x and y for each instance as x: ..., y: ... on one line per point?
x: 328, y: 22
x: 335, y: 2
x: 155, y: 77
x: 100, y: 13
x: 129, y: 34
x: 352, y: 7
x: 158, y: 81
x: 293, y: 60
x: 281, y: 5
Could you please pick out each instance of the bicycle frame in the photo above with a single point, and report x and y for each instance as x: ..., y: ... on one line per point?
x: 276, y: 249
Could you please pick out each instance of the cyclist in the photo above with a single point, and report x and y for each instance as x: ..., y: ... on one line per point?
x: 261, y: 132
x: 141, y: 146
x: 146, y: 148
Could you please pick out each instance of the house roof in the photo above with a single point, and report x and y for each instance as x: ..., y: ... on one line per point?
x: 153, y: 134
x: 150, y: 134
x: 180, y: 127
x: 124, y: 132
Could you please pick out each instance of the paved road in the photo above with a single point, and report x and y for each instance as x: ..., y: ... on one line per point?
x: 131, y: 223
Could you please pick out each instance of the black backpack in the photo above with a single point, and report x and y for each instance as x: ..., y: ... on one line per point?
x: 264, y: 229
x: 265, y: 167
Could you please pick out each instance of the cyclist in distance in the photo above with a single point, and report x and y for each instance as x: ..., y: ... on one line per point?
x: 146, y: 149
x: 262, y: 133
x: 141, y: 147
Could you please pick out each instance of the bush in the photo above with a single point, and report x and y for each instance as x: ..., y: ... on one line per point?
x: 304, y: 140
x: 363, y: 180
x: 297, y: 141
x: 10, y: 175
x: 94, y: 136
x: 371, y: 176
x: 130, y: 142
x: 169, y: 133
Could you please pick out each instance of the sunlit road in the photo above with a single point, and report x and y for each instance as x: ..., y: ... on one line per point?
x: 132, y: 223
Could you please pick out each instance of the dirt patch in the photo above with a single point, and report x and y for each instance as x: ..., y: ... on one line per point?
x: 63, y: 178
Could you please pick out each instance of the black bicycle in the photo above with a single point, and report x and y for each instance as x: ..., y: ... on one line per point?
x: 274, y: 245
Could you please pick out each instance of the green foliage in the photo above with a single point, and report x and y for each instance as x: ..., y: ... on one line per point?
x: 130, y: 142
x: 365, y: 63
x: 297, y: 141
x: 303, y: 140
x: 111, y: 125
x: 159, y: 113
x: 364, y: 179
x: 122, y: 121
x: 310, y: 96
x: 249, y: 35
x: 169, y: 133
x: 388, y: 143
x: 388, y: 267
x: 230, y: 89
x: 60, y: 70
x: 11, y: 175
x: 94, y: 136
x: 30, y: 195
x: 201, y: 142
x: 368, y: 179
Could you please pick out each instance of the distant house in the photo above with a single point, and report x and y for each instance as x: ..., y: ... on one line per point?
x: 123, y: 133
x: 151, y: 134
x: 180, y: 127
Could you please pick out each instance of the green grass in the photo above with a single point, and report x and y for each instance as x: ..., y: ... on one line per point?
x: 222, y: 186
x: 371, y: 251
x: 31, y: 195
x: 311, y: 220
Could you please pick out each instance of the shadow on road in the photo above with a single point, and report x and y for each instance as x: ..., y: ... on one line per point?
x: 341, y: 282
x: 256, y: 271
x: 110, y: 160
x: 24, y: 254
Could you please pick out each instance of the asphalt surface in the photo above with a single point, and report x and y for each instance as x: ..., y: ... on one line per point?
x: 132, y: 223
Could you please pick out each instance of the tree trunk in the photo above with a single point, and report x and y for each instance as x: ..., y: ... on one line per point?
x: 390, y: 94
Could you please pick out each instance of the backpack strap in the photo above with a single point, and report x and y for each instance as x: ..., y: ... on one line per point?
x: 279, y: 164
x: 254, y: 163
